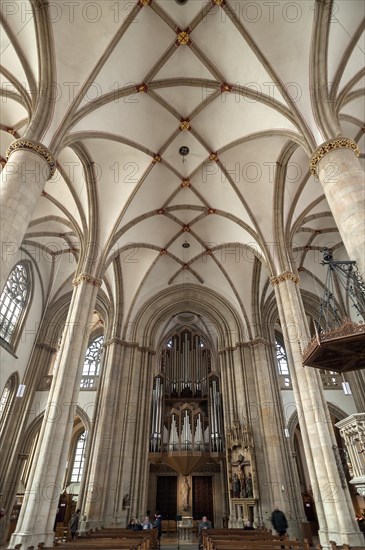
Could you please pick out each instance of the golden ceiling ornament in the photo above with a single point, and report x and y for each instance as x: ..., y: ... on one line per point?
x: 157, y: 158
x: 183, y: 38
x: 211, y: 210
x: 37, y: 148
x: 88, y: 279
x: 185, y: 125
x: 213, y: 157
x: 186, y: 228
x: 185, y: 184
x: 218, y: 2
x: 327, y: 147
x: 285, y: 276
x: 209, y: 252
x: 161, y: 211
x: 11, y: 131
x: 163, y: 252
x: 225, y: 87
x: 144, y: 2
x: 185, y: 266
x: 143, y: 87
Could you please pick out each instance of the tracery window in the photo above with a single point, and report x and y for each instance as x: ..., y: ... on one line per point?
x: 13, y: 302
x: 6, y: 399
x: 91, y: 370
x: 79, y: 458
x: 282, y: 363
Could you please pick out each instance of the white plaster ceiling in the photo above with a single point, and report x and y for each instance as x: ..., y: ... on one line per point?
x: 124, y: 85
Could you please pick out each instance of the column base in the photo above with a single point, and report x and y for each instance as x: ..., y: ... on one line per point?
x: 86, y: 526
x: 235, y: 523
x: 31, y: 539
x: 352, y: 538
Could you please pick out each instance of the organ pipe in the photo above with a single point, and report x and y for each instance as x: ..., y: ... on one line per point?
x: 186, y: 401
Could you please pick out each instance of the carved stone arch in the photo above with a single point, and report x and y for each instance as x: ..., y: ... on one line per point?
x: 36, y: 425
x: 199, y: 300
x: 56, y: 316
x: 84, y: 417
x: 294, y: 418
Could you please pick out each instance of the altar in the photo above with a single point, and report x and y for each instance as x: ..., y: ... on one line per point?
x: 185, y: 529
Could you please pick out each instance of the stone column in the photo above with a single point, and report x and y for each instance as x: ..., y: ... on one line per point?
x: 342, y: 180
x: 93, y: 494
x: 127, y: 469
x: 23, y: 178
x: 40, y: 503
x: 13, y: 450
x: 282, y: 488
x: 333, y: 502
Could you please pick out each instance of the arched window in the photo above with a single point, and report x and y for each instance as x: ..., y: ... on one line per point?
x: 91, y: 370
x: 7, y: 398
x: 79, y: 458
x: 282, y: 362
x: 13, y: 303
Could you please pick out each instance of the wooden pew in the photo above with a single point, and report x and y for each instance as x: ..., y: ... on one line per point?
x: 99, y: 544
x: 263, y: 545
x: 112, y: 539
x: 227, y: 535
x: 334, y: 546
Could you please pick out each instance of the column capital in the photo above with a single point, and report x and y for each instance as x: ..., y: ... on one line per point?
x: 285, y: 276
x: 35, y: 147
x: 260, y: 342
x: 128, y: 344
x: 86, y: 278
x: 331, y: 145
x: 47, y: 347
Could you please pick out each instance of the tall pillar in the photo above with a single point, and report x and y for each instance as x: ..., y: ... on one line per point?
x: 13, y: 452
x: 93, y: 492
x: 283, y: 485
x: 30, y: 165
x: 333, y: 502
x: 129, y: 382
x: 40, y: 503
x: 342, y: 180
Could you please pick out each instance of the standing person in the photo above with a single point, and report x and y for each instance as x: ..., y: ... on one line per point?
x: 279, y: 521
x: 74, y: 523
x: 158, y: 525
x: 204, y: 524
x: 2, y: 523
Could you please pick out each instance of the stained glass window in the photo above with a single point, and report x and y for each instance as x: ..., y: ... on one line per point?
x: 79, y: 459
x: 13, y: 301
x: 92, y: 362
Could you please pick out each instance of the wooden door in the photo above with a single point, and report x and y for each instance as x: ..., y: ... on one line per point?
x: 203, y: 497
x: 166, y: 496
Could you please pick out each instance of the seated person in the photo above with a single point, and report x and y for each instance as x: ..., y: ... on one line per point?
x: 248, y: 526
x: 203, y: 524
x: 147, y: 523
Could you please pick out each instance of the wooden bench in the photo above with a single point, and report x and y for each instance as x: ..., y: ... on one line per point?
x: 112, y: 539
x: 334, y: 546
x: 263, y: 545
x: 237, y: 539
x: 100, y: 544
x: 228, y: 535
